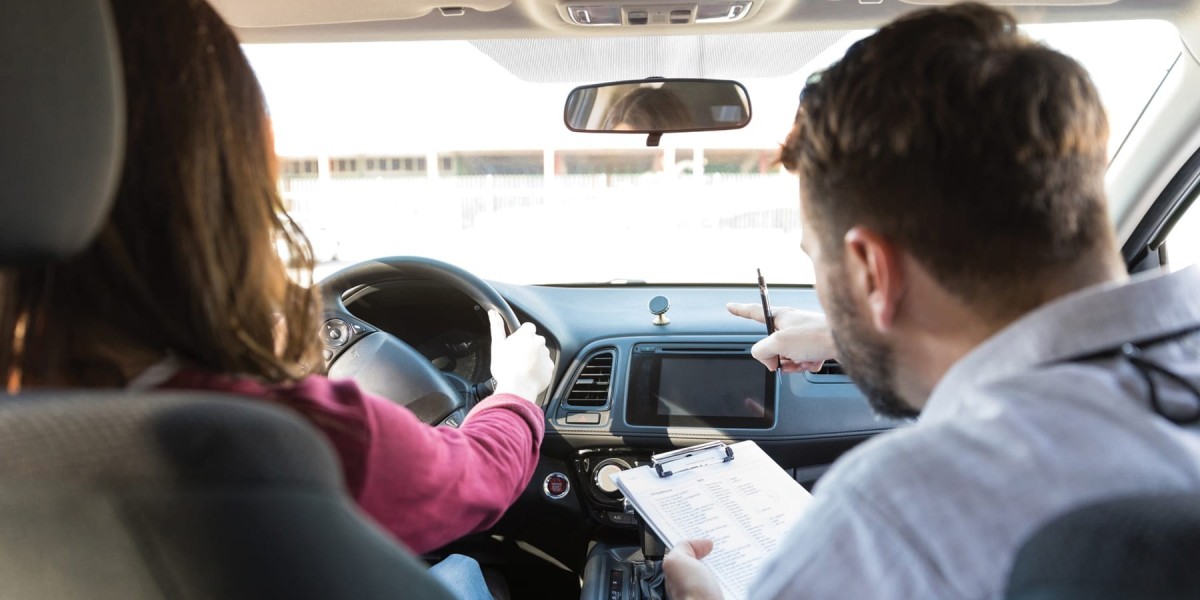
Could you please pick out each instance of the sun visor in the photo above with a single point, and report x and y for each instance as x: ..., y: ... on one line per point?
x: 283, y: 13
x: 735, y: 56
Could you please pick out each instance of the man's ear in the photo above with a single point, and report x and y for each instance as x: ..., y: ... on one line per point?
x: 874, y: 267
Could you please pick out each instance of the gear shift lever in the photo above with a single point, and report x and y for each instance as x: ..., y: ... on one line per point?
x: 652, y: 547
x: 650, y: 578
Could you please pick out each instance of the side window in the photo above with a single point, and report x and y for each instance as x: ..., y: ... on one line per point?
x: 1183, y: 242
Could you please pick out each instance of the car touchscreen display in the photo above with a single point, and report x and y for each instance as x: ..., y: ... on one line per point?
x: 719, y: 391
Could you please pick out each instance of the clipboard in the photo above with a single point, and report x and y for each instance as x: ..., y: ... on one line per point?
x: 667, y: 464
x: 745, y: 505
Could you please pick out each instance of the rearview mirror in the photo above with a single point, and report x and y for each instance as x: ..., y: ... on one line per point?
x: 657, y: 105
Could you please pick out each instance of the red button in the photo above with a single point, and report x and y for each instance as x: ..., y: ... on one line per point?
x: 556, y: 485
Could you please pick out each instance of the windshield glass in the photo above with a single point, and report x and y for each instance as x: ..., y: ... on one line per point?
x: 457, y: 150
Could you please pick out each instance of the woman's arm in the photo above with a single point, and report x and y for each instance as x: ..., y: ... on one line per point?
x: 432, y: 485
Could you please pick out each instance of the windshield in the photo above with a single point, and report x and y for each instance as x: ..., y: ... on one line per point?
x: 457, y: 150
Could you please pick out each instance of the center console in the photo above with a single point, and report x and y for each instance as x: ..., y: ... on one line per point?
x: 628, y: 398
x: 625, y: 572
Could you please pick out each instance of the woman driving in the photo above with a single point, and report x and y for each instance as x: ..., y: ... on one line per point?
x: 185, y: 288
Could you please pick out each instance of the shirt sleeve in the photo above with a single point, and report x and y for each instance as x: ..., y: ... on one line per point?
x: 431, y: 485
x: 427, y: 485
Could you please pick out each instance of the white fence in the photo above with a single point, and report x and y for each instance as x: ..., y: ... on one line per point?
x: 519, y: 218
x: 707, y: 201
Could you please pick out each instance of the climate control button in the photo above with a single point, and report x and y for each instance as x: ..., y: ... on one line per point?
x: 603, y: 475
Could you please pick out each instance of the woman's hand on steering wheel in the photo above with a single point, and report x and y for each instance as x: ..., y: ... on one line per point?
x: 520, y: 362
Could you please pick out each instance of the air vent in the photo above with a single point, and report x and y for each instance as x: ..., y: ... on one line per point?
x: 591, y: 386
x: 831, y: 367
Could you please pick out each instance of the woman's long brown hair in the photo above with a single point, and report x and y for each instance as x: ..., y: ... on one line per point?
x: 189, y: 263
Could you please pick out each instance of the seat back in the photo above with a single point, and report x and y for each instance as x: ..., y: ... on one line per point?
x: 1129, y: 547
x: 182, y: 495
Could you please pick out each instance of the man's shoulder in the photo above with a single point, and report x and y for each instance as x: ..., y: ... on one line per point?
x: 1057, y: 424
x: 1002, y: 423
x: 1016, y: 452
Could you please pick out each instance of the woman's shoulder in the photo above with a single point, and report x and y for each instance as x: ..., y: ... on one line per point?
x: 322, y: 388
x: 313, y: 390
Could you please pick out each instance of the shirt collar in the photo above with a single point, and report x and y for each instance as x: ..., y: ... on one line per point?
x: 1086, y: 321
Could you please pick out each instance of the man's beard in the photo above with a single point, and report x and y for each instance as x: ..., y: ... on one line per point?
x: 867, y: 359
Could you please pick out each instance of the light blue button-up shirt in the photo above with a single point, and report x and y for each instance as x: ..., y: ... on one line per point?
x: 1014, y: 434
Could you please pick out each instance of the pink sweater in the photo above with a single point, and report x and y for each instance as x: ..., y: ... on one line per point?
x: 427, y: 485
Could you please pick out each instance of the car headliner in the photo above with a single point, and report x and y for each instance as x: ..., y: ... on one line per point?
x: 375, y: 20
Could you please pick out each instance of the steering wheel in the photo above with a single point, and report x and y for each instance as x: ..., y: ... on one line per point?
x: 384, y: 365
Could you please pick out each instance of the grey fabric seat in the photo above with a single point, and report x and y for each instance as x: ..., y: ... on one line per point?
x: 1131, y: 547
x: 181, y: 495
x: 138, y: 495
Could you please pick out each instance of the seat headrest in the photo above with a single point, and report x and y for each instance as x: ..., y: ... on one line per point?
x: 62, y: 118
x: 1142, y: 546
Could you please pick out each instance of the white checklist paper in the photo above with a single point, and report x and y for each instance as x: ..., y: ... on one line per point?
x: 745, y: 506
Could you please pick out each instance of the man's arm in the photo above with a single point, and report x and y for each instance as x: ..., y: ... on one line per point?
x: 849, y: 543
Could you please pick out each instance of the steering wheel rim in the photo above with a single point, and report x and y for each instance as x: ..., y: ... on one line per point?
x: 380, y: 362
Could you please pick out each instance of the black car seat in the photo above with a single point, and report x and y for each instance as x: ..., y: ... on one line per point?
x: 1124, y: 548
x: 146, y: 495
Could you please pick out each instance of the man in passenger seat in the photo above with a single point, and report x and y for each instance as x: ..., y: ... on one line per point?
x: 952, y: 187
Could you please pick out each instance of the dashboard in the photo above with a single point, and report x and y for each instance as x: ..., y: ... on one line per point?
x: 627, y: 387
x: 701, y: 358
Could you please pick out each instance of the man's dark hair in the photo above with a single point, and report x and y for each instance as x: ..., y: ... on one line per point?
x: 979, y: 151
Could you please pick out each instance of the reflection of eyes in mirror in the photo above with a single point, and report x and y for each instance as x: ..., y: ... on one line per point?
x: 648, y: 109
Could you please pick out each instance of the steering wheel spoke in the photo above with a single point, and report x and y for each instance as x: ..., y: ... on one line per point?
x: 383, y: 364
x: 339, y: 331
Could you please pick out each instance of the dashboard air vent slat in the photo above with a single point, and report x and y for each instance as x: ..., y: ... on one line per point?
x: 831, y: 367
x: 591, y: 386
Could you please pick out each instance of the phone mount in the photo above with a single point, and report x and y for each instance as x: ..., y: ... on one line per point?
x: 659, y: 305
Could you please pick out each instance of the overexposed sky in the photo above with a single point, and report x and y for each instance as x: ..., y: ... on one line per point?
x: 429, y: 96
x: 417, y: 98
